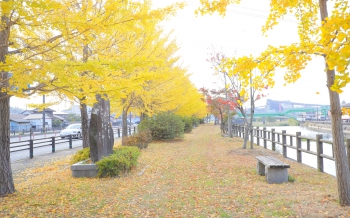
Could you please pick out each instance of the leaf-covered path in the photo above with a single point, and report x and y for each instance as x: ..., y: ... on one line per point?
x: 204, y: 175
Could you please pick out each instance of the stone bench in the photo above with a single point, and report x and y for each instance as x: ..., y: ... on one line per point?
x: 275, y: 170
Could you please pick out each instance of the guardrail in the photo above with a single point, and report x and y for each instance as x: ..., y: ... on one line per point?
x: 31, y: 144
x: 292, y: 141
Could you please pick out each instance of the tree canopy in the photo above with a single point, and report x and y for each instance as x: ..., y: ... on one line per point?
x: 81, y: 49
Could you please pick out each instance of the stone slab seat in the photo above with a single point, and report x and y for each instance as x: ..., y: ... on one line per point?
x: 275, y: 170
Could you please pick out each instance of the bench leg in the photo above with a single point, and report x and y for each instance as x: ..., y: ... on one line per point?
x: 276, y: 175
x: 260, y: 168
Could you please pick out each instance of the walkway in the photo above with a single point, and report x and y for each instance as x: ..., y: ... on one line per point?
x: 203, y: 175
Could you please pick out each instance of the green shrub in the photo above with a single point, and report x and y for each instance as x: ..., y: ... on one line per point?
x: 121, y: 161
x: 293, y: 122
x: 291, y: 178
x: 270, y: 119
x: 201, y: 121
x: 195, y: 121
x: 81, y: 155
x: 141, y: 139
x: 188, y: 124
x: 163, y: 126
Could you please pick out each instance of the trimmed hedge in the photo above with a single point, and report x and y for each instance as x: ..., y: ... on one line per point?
x: 164, y: 126
x: 140, y: 139
x: 188, y: 124
x: 121, y: 161
x: 81, y: 155
x: 195, y: 121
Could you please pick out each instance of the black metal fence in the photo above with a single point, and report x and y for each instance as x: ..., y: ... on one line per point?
x: 293, y: 141
x: 32, y: 143
x: 21, y: 130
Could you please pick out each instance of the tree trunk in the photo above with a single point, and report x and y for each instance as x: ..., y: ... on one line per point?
x: 251, y: 123
x: 124, y: 124
x: 246, y: 135
x: 100, y: 132
x: 6, y: 180
x: 229, y: 124
x: 141, y: 117
x: 84, y: 125
x: 222, y: 125
x: 341, y: 162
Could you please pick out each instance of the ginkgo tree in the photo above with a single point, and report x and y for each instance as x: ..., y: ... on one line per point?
x: 215, y: 59
x: 29, y: 33
x: 101, y: 61
x: 45, y: 44
x: 167, y: 89
x: 159, y: 84
x: 325, y: 36
x: 152, y: 57
x: 248, y: 78
x: 92, y: 62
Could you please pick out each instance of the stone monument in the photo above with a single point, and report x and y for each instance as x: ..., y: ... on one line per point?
x: 101, y: 135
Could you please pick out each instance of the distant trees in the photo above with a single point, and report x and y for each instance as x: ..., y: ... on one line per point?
x: 217, y: 105
x: 73, y: 118
x: 245, y: 79
x: 271, y: 119
x: 56, y: 123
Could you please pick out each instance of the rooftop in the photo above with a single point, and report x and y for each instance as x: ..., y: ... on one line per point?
x: 37, y: 116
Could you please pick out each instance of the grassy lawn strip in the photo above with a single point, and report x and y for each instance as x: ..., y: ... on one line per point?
x: 201, y: 176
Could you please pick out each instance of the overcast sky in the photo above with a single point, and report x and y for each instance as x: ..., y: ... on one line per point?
x: 239, y: 33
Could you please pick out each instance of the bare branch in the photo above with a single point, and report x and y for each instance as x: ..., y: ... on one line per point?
x: 18, y: 51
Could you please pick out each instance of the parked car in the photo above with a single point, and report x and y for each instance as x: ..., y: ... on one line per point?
x: 73, y: 129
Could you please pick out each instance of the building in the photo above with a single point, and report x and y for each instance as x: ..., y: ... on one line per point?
x: 48, y: 111
x: 18, y: 123
x: 346, y: 117
x: 36, y: 121
x: 60, y: 114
